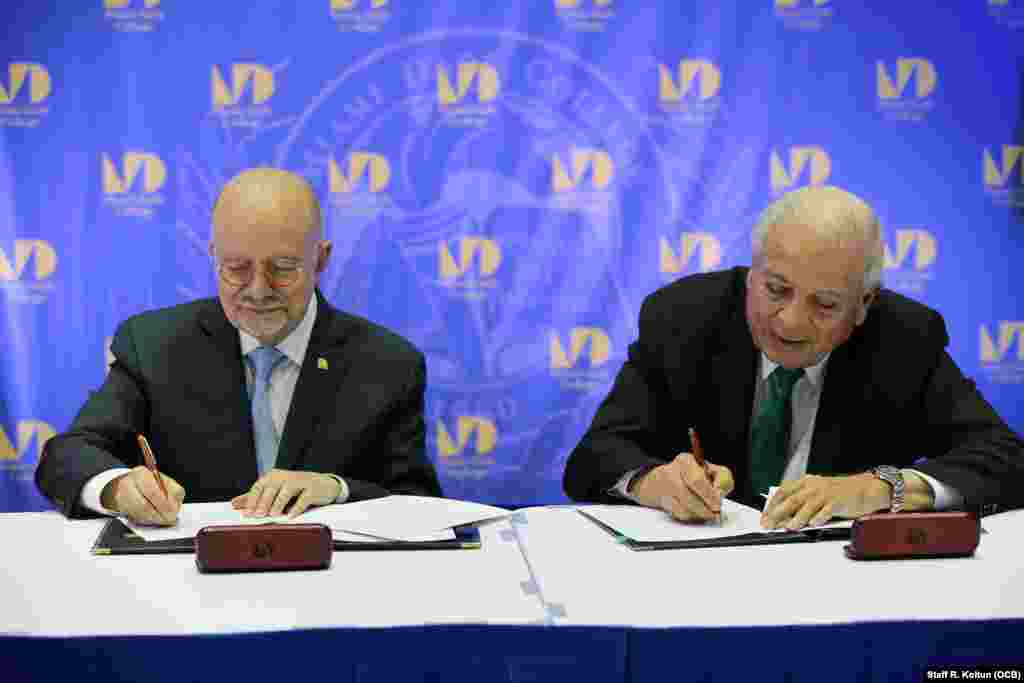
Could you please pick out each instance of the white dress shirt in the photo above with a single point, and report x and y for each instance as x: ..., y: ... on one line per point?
x: 804, y: 407
x: 281, y: 389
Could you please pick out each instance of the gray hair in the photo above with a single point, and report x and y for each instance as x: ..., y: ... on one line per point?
x: 834, y: 214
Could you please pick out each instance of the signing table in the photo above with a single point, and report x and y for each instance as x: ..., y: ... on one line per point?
x: 373, y: 616
x: 549, y: 596
x: 783, y: 612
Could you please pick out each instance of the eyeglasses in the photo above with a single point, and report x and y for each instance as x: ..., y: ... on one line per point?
x: 278, y: 273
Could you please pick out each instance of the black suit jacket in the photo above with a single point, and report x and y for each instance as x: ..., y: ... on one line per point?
x: 179, y: 378
x: 891, y: 395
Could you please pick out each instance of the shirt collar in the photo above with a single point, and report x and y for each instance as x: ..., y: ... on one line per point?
x: 814, y: 374
x: 294, y: 345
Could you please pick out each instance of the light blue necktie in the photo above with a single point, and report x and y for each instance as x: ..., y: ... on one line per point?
x: 264, y: 359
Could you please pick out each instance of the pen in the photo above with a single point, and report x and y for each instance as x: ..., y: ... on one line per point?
x: 698, y: 455
x: 698, y: 452
x: 147, y: 455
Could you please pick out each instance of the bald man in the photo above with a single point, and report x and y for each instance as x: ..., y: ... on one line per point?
x: 800, y: 372
x: 335, y: 416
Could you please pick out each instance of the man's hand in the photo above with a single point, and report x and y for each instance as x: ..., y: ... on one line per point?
x: 683, y: 489
x: 813, y: 500
x: 137, y: 496
x: 274, y: 490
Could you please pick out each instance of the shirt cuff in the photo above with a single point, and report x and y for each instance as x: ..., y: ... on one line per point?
x: 946, y: 497
x: 621, y: 488
x: 92, y: 492
x: 344, y: 493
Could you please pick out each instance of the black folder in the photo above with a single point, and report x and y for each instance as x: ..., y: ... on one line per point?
x: 117, y: 539
x: 755, y: 538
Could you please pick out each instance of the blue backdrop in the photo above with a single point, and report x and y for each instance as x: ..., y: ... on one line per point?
x: 503, y: 186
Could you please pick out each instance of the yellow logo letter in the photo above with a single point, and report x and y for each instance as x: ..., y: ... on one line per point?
x: 486, y: 436
x: 154, y: 173
x: 486, y: 81
x: 999, y: 176
x: 783, y: 178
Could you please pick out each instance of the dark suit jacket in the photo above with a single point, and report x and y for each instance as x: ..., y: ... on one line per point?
x: 179, y: 378
x: 892, y: 395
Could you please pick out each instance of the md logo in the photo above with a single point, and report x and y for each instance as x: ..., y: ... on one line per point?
x: 27, y: 434
x: 365, y: 172
x: 920, y: 70
x: 133, y: 164
x: 121, y: 4
x: 591, y: 339
x: 45, y: 260
x: 592, y: 164
x: 39, y: 83
x: 484, y: 76
x: 484, y: 251
x: 704, y: 244
x: 349, y: 5
x: 995, y: 350
x: 997, y: 175
x: 706, y: 75
x: 258, y: 79
x: 921, y: 242
x: 785, y: 176
x: 466, y: 427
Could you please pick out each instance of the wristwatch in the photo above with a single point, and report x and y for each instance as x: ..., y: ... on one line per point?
x: 894, y: 477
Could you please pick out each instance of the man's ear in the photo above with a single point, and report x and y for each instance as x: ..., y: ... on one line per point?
x: 323, y: 254
x: 865, y: 303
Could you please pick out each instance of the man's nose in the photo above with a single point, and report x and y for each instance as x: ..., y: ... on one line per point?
x: 794, y: 317
x: 259, y: 286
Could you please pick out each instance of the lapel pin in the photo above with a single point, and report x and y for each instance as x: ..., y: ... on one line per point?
x: 321, y: 363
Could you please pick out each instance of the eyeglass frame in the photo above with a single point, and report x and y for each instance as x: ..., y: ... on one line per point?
x: 273, y: 278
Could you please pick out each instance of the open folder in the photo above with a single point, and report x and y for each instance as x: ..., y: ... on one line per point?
x: 640, y: 528
x: 396, y: 522
x: 116, y: 538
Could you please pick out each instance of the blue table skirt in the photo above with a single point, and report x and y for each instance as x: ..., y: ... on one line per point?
x: 865, y: 652
x: 869, y: 652
x: 437, y: 653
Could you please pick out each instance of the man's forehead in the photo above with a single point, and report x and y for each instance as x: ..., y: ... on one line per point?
x: 799, y: 279
x: 822, y: 267
x: 266, y: 196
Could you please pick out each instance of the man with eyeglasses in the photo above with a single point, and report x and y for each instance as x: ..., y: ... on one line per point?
x: 800, y: 372
x: 266, y: 396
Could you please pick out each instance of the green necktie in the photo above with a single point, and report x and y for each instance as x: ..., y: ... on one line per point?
x: 769, y: 433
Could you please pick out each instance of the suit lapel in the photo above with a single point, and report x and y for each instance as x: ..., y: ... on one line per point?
x: 842, y: 383
x: 322, y: 371
x: 224, y: 368
x: 733, y: 369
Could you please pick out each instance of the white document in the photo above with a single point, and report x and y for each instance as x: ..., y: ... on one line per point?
x: 649, y: 524
x: 402, y: 518
x: 445, y: 535
x: 392, y: 518
x: 194, y: 516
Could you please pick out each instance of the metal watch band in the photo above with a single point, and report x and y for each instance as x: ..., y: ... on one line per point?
x: 894, y: 477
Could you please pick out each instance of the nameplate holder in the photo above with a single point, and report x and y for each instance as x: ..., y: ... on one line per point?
x: 264, y: 547
x: 904, y: 535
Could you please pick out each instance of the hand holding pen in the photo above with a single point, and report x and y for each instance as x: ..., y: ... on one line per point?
x: 689, y: 487
x: 698, y: 456
x: 144, y: 495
